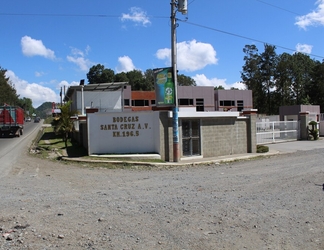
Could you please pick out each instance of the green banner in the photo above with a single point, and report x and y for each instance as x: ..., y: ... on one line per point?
x: 164, y: 86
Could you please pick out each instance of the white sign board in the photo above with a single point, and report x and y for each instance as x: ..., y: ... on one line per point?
x: 123, y: 133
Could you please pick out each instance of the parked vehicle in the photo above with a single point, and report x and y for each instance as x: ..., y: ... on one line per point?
x: 28, y: 119
x: 11, y: 121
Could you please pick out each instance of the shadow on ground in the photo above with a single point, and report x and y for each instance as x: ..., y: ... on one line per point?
x: 75, y: 150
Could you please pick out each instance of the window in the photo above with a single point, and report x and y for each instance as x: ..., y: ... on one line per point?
x: 126, y: 102
x: 227, y: 103
x: 152, y: 102
x: 240, y: 105
x: 186, y: 102
x: 141, y: 103
x: 200, y: 105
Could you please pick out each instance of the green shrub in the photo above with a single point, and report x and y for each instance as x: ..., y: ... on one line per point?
x: 313, y: 132
x: 262, y: 149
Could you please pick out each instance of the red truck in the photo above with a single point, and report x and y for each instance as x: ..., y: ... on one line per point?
x: 11, y: 121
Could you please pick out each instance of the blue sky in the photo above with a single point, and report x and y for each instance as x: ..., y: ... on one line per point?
x: 46, y: 45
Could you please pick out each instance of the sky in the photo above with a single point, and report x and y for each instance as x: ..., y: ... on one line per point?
x: 49, y: 45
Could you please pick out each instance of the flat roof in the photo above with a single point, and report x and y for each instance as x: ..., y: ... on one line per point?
x: 113, y: 86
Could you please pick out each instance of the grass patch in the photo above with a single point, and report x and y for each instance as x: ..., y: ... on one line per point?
x: 50, y: 142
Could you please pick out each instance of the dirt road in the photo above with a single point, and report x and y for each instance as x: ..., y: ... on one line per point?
x: 272, y: 203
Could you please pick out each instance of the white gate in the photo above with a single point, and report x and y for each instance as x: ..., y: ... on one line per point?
x: 277, y: 131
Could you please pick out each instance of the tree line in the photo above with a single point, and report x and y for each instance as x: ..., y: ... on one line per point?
x: 136, y: 78
x: 275, y: 80
x: 282, y: 79
x: 9, y: 96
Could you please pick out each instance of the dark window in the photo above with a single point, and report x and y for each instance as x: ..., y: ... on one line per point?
x: 152, y: 102
x: 140, y: 103
x: 240, y: 105
x: 200, y: 105
x: 227, y: 103
x: 186, y: 102
x: 126, y: 102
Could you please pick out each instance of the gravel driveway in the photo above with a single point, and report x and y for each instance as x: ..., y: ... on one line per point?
x: 271, y: 203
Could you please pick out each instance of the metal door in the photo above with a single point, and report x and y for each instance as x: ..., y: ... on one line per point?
x: 190, y: 137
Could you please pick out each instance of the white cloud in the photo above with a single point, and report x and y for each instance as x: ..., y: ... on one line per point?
x: 39, y: 74
x: 37, y: 93
x: 32, y: 47
x: 65, y: 84
x: 191, y: 55
x: 137, y: 15
x: 78, y: 57
x: 202, y: 80
x: 304, y: 48
x: 125, y: 64
x: 313, y: 18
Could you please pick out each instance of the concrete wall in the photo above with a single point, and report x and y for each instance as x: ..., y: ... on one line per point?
x: 166, y: 139
x: 123, y: 133
x: 103, y: 134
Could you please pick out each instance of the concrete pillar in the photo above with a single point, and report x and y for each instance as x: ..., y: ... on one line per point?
x: 304, y: 116
x: 251, y: 129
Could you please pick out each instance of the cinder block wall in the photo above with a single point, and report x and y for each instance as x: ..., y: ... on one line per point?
x: 223, y: 136
x: 219, y: 136
x: 166, y: 139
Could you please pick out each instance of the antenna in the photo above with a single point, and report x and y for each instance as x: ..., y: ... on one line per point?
x: 183, y: 6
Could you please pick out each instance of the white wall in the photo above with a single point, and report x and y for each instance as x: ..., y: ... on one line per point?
x: 103, y: 100
x: 122, y: 133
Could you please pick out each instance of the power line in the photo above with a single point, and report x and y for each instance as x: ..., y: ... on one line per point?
x: 244, y: 37
x: 55, y: 15
x: 275, y: 6
x: 71, y: 15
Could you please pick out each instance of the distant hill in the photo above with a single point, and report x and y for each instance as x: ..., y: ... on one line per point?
x: 44, y: 110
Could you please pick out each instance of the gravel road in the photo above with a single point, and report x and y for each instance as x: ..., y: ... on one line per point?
x: 270, y: 203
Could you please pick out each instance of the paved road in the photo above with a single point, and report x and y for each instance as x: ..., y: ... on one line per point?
x: 293, y: 146
x: 11, y: 149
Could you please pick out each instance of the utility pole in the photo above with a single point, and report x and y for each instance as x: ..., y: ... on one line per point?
x: 181, y: 5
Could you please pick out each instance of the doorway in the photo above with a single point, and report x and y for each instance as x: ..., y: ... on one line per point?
x: 191, y: 137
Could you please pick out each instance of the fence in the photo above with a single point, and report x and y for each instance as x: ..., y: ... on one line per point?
x: 278, y: 131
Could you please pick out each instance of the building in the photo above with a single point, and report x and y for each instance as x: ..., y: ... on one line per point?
x: 109, y: 123
x: 292, y: 113
x: 233, y: 100
x: 199, y: 97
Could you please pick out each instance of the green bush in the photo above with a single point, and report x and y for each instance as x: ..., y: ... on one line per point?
x: 313, y: 132
x: 262, y: 149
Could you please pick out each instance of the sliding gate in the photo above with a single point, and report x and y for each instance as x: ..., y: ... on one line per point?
x: 278, y: 131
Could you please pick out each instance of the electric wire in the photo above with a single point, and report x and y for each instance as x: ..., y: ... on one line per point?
x: 184, y: 21
x: 244, y: 37
x: 280, y: 8
x: 71, y: 15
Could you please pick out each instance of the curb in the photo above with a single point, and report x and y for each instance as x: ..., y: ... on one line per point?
x: 217, y: 160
